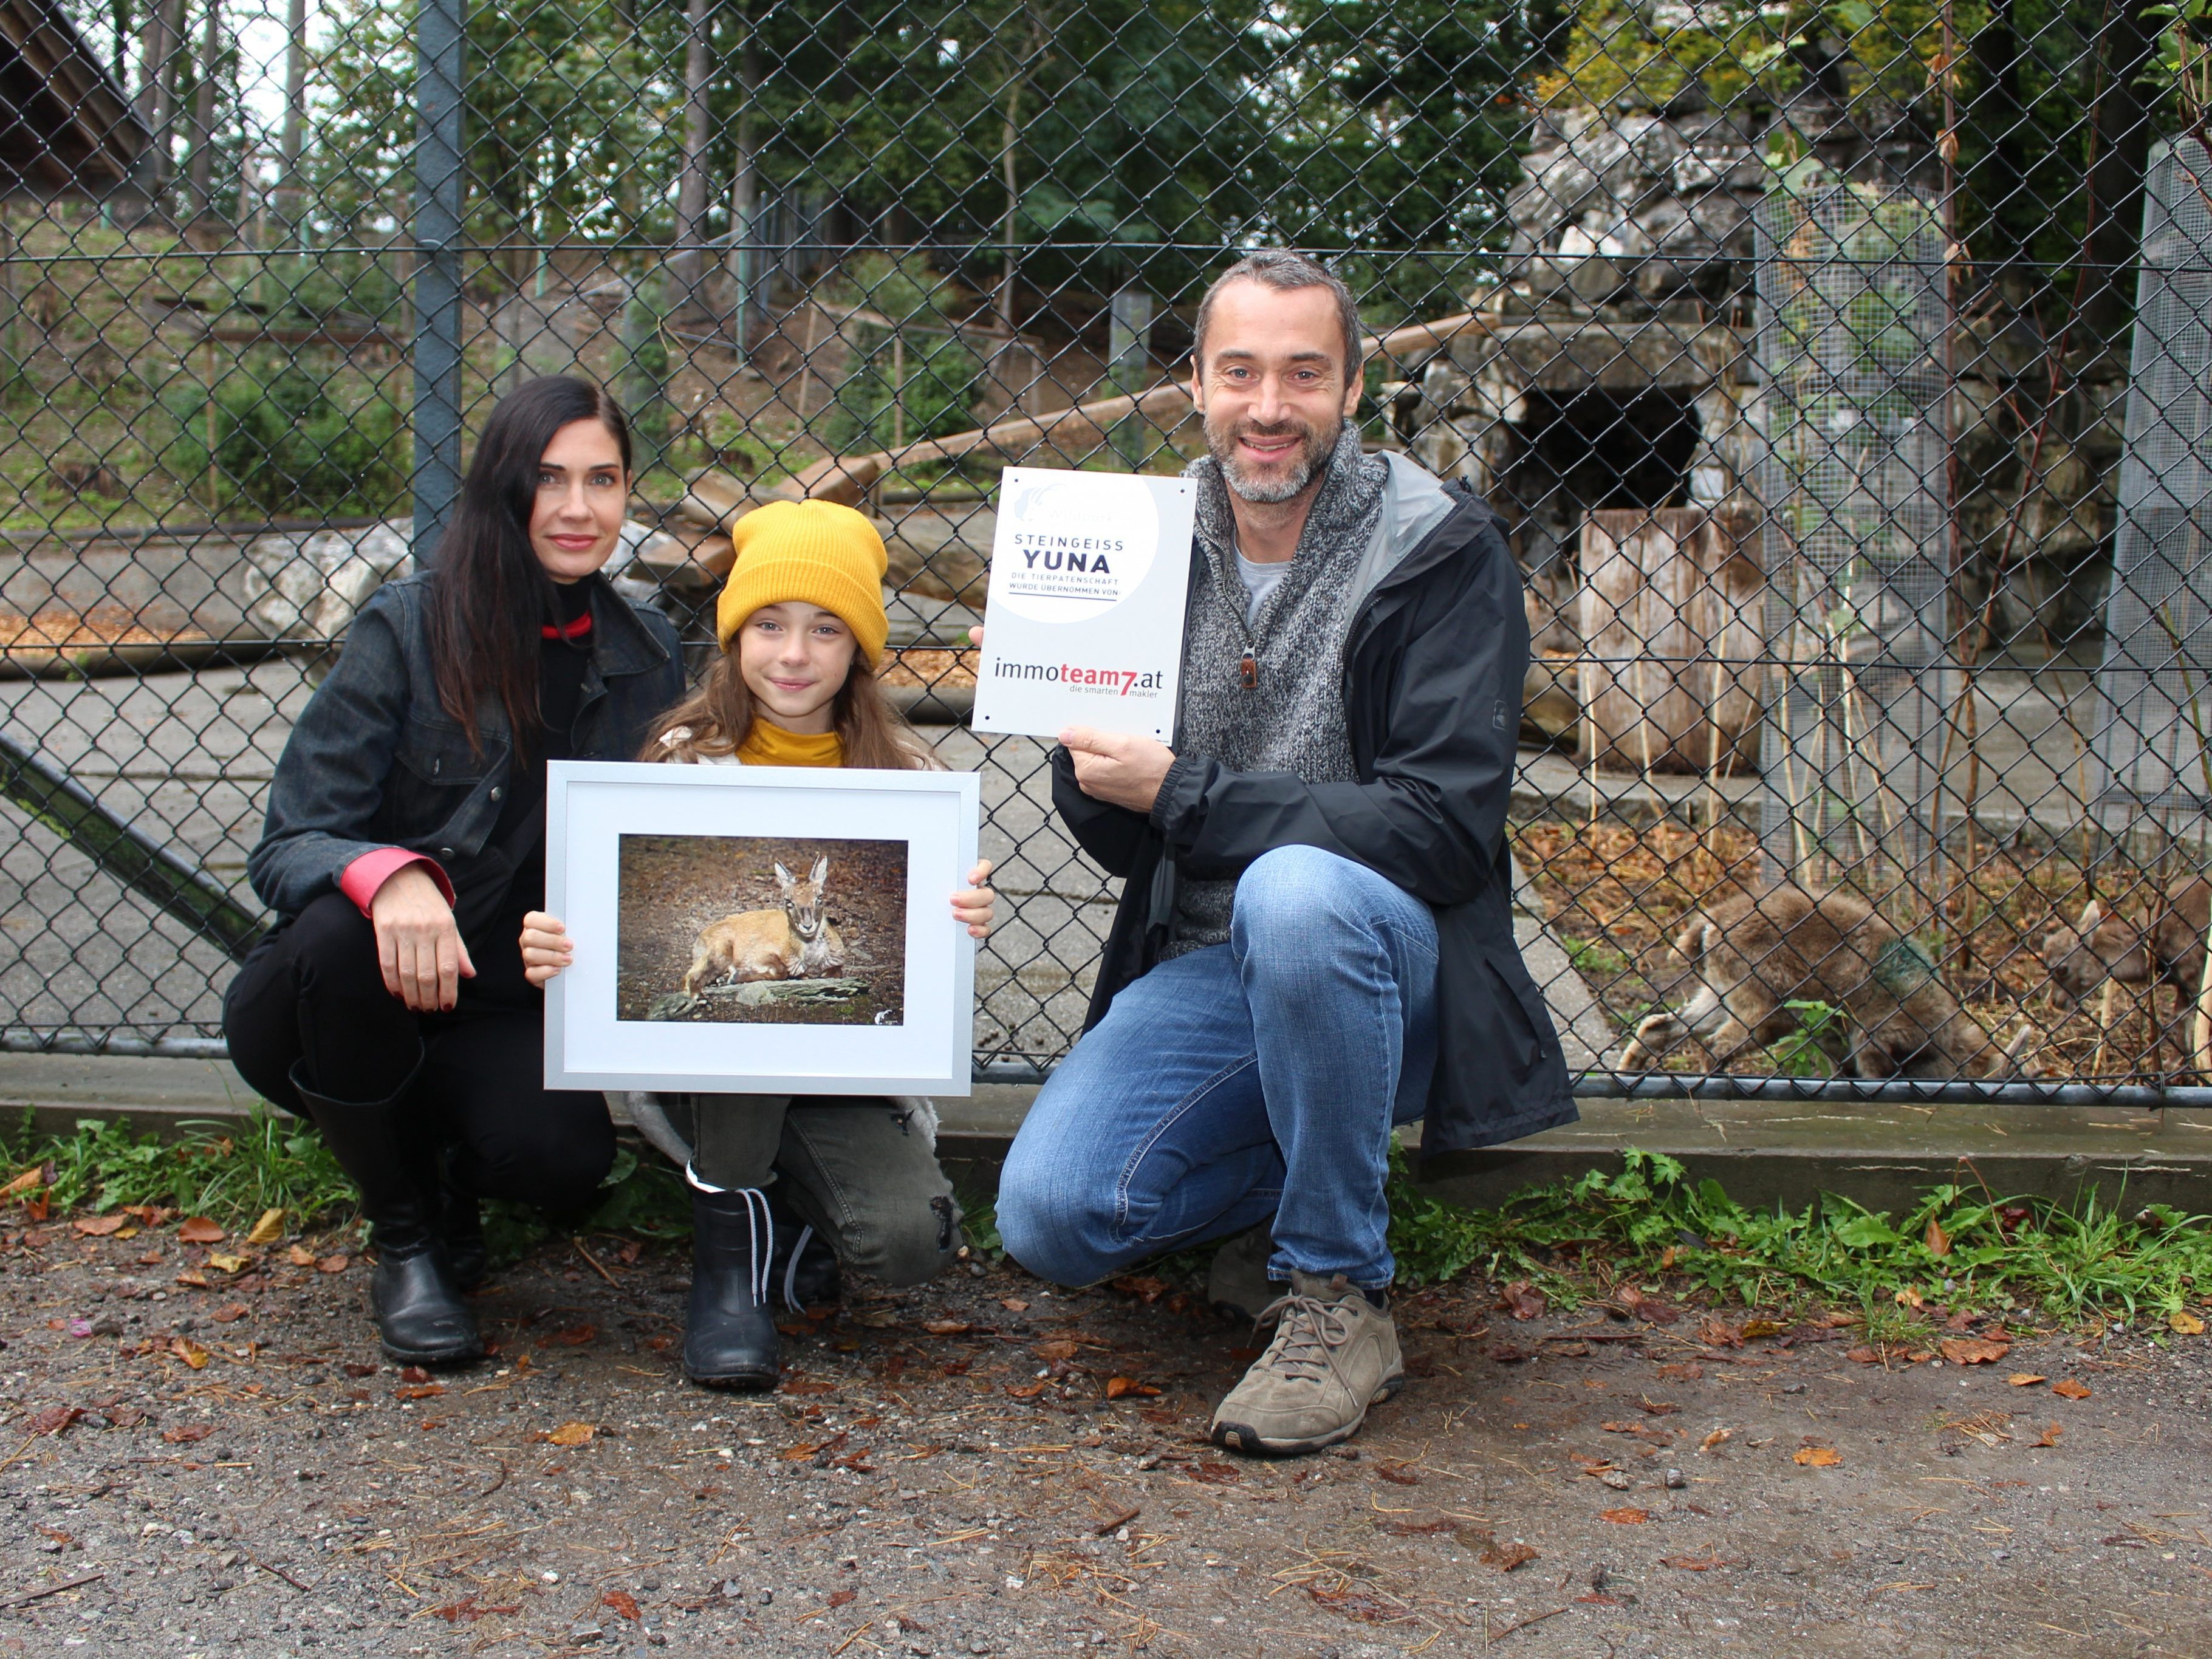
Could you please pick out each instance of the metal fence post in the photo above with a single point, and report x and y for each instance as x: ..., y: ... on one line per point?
x: 440, y: 41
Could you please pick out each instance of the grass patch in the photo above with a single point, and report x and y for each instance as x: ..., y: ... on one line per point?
x: 1957, y: 1249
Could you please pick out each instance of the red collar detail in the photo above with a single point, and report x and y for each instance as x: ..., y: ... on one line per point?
x: 578, y: 630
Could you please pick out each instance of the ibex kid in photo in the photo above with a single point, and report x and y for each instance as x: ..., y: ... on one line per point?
x: 796, y: 941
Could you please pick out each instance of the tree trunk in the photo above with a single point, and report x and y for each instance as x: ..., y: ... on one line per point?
x: 159, y: 63
x: 745, y: 193
x: 691, y: 192
x: 2122, y: 131
x: 291, y: 194
x: 203, y: 158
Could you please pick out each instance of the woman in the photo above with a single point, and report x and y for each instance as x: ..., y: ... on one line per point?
x: 405, y: 842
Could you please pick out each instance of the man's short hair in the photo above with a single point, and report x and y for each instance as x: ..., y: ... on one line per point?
x: 1280, y: 269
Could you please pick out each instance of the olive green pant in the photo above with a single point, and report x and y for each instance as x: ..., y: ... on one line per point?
x: 862, y: 1170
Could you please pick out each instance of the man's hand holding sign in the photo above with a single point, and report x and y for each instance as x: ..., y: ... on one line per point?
x: 1118, y: 769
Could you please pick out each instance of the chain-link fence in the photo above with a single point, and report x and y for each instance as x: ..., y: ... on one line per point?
x: 1839, y: 373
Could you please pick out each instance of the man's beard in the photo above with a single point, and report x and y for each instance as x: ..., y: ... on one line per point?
x: 1280, y: 482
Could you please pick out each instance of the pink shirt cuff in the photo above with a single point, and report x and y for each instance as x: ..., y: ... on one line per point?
x: 360, y: 880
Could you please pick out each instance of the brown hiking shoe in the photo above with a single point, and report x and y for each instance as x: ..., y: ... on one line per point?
x: 1335, y: 1353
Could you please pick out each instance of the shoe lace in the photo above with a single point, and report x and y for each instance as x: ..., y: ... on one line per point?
x: 1308, y: 1334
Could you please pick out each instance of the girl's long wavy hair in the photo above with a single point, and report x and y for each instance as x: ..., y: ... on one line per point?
x: 716, y: 718
x: 488, y: 593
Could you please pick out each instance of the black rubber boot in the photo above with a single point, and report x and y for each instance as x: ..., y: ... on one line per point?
x: 729, y: 1333
x: 460, y: 1229
x: 420, y: 1316
x: 802, y: 1272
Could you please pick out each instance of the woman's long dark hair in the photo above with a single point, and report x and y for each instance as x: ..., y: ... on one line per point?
x: 488, y: 593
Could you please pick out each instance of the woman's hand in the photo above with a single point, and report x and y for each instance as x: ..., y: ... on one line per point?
x: 973, y: 904
x: 418, y: 944
x: 546, y: 947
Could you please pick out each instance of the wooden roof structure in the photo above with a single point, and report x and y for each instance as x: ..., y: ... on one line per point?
x: 66, y: 127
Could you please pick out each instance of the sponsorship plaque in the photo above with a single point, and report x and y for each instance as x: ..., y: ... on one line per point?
x: 1090, y: 573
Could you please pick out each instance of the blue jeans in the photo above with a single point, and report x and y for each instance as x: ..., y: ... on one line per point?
x: 1253, y: 1080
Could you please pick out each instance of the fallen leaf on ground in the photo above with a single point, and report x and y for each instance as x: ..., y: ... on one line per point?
x: 622, y: 1602
x: 1762, y: 1327
x: 420, y: 1391
x: 1398, y: 1475
x: 1656, y: 1407
x: 1938, y: 1241
x: 1506, y: 1557
x: 2182, y: 1323
x: 354, y: 1368
x: 230, y: 1314
x: 2026, y: 1379
x: 947, y: 1327
x: 185, y: 1433
x: 33, y: 1177
x: 1682, y: 1371
x: 813, y: 1448
x: 837, y: 1598
x: 1625, y: 1517
x: 1058, y: 1349
x: 1974, y: 1351
x: 55, y: 1419
x: 198, y: 1229
x: 1910, y: 1296
x: 2049, y: 1436
x: 301, y: 1256
x: 467, y: 1610
x: 1118, y: 1386
x: 122, y: 1417
x: 571, y: 1434
x: 1027, y: 1390
x: 808, y: 1385
x: 190, y: 1351
x: 333, y: 1264
x: 98, y: 1226
x: 1523, y: 1300
x: 230, y: 1264
x: 1143, y: 1286
x: 1816, y: 1457
x: 1864, y: 1355
x: 576, y: 1336
x: 2067, y: 1389
x: 1714, y: 1439
x: 194, y: 1277
x: 269, y: 1229
x: 1694, y: 1563
x: 1013, y: 1304
x: 1718, y: 1334
x: 1641, y: 1306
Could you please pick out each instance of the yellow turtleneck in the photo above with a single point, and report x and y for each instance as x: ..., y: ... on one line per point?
x: 768, y: 744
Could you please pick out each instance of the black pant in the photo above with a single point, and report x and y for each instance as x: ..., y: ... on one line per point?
x: 312, y: 994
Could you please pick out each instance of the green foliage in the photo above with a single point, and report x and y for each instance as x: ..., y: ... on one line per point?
x: 282, y: 442
x: 1810, y: 1050
x: 936, y: 399
x: 231, y: 1172
x: 1983, y: 1253
x: 1594, y: 955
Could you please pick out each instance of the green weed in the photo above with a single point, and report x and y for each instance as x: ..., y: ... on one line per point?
x: 230, y: 1172
x: 1594, y: 955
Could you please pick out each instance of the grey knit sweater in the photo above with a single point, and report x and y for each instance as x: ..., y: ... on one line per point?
x: 1293, y: 721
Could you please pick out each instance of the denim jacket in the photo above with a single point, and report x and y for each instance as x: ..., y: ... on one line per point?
x: 375, y: 761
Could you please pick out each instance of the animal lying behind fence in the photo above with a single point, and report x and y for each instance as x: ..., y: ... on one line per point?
x: 1753, y: 955
x: 796, y: 941
x: 2169, y: 950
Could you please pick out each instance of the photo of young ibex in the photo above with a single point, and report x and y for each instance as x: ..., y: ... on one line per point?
x: 795, y: 942
x: 762, y: 930
x: 1751, y: 955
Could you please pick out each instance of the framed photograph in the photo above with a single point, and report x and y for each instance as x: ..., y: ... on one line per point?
x: 759, y: 929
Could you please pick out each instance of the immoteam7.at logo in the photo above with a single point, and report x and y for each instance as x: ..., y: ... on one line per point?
x: 1099, y: 682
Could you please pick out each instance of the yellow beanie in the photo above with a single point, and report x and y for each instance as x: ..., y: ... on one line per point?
x: 816, y: 552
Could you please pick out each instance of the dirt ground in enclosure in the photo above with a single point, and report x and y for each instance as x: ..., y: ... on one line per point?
x: 986, y: 1466
x: 673, y: 886
x: 1617, y: 896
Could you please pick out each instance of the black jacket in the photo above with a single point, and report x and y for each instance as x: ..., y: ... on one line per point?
x: 375, y: 761
x: 1433, y: 665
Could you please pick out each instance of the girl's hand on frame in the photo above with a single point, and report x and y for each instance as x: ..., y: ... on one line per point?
x: 546, y: 947
x: 972, y: 905
x: 418, y: 947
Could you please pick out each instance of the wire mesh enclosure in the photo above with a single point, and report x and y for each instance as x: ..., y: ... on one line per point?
x: 1838, y: 373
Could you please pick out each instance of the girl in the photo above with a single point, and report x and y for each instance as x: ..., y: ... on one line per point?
x: 406, y: 841
x: 802, y: 626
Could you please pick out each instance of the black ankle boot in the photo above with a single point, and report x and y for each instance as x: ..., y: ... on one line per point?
x: 802, y: 1272
x: 420, y: 1317
x: 460, y: 1229
x: 729, y: 1333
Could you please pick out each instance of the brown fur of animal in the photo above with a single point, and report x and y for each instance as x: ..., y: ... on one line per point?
x: 2100, y: 945
x: 1753, y: 955
x: 796, y: 941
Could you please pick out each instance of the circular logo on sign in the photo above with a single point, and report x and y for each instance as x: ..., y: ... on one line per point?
x: 1073, y: 545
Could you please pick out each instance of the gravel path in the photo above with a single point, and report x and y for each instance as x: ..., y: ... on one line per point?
x: 944, y: 1473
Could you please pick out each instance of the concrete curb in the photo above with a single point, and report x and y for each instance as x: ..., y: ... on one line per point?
x: 1764, y: 1155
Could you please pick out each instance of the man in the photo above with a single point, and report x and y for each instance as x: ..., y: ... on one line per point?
x: 1314, y: 937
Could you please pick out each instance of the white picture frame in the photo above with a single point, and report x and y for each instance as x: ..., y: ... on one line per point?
x: 591, y: 1043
